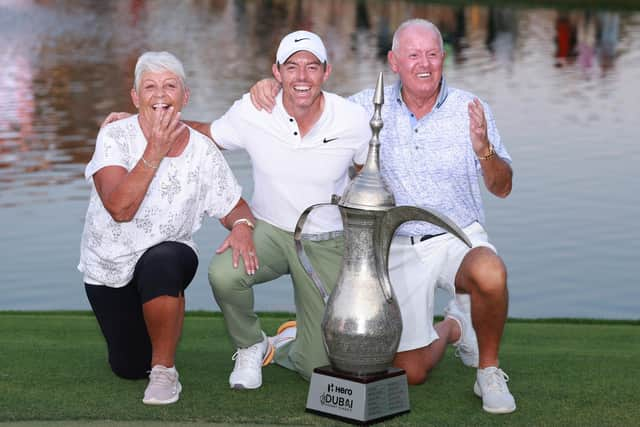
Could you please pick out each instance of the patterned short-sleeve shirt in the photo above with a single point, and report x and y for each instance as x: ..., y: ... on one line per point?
x: 184, y: 189
x: 430, y: 162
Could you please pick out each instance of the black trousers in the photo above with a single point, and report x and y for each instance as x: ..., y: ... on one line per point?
x: 164, y: 269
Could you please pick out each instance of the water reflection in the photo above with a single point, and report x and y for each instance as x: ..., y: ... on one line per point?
x: 588, y: 39
x: 65, y: 65
x: 559, y: 81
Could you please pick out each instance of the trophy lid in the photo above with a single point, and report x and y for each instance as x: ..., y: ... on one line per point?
x: 367, y: 190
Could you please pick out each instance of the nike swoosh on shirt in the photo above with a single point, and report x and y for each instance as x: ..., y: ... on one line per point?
x: 329, y: 140
x: 299, y: 40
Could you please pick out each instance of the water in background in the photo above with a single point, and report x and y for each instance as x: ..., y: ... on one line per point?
x: 563, y: 85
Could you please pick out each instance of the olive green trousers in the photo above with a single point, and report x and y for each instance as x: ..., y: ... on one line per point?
x: 233, y: 291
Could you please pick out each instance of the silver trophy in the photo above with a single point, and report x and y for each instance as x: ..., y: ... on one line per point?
x: 362, y: 324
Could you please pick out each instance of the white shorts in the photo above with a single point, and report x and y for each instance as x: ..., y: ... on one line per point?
x: 416, y: 270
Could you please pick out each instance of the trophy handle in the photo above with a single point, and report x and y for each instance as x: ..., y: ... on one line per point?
x: 302, y: 255
x: 393, y: 219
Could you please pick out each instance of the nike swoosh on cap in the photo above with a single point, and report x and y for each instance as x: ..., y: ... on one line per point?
x: 329, y: 139
x: 299, y: 40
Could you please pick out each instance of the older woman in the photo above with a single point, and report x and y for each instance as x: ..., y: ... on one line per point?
x: 154, y: 179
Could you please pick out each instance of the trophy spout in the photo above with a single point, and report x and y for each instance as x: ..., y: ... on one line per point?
x: 393, y: 219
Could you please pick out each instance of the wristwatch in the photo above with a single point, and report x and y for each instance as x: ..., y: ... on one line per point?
x: 492, y: 153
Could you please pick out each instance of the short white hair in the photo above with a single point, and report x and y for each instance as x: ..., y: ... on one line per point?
x: 427, y: 25
x: 158, y: 62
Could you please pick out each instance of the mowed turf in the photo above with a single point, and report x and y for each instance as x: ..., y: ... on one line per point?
x: 563, y: 373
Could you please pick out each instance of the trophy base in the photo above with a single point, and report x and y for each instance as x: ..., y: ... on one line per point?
x: 358, y: 399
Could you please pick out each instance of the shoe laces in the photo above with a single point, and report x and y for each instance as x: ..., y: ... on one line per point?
x: 161, y: 377
x: 248, y: 357
x: 497, y: 380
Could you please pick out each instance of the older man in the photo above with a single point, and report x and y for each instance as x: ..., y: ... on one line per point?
x: 436, y: 144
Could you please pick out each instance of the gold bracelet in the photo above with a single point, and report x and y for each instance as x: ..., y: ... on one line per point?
x: 491, y: 154
x: 149, y: 165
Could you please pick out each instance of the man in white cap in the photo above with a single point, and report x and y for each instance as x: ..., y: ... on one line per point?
x: 301, y: 155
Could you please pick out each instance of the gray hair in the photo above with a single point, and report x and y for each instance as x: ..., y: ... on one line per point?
x: 423, y: 23
x: 157, y: 62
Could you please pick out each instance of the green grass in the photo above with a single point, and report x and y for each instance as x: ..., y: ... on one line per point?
x: 563, y: 373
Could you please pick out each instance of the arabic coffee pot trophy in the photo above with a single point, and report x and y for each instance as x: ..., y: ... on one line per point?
x: 362, y: 323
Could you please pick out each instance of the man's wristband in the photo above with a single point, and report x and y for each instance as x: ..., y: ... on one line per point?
x: 243, y: 221
x: 491, y: 154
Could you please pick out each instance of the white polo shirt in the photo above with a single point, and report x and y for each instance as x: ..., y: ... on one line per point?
x: 290, y: 172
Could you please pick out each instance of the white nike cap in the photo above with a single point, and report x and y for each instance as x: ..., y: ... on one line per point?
x: 301, y: 40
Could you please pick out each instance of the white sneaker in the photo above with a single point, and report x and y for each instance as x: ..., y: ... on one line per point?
x: 491, y: 386
x: 467, y: 345
x: 247, y: 372
x: 285, y: 333
x: 164, y: 387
